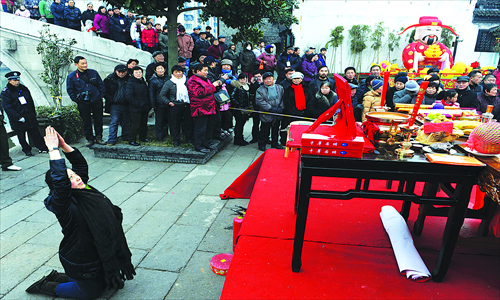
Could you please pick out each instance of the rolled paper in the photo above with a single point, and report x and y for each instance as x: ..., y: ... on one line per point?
x: 384, y: 88
x: 416, y: 107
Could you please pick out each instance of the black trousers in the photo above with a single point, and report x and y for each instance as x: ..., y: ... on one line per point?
x: 226, y: 119
x: 161, y: 121
x: 35, y: 138
x: 265, y: 128
x: 89, y: 112
x: 217, y: 124
x: 240, y: 119
x: 255, y: 126
x: 181, y: 114
x: 5, y: 159
x: 203, y: 129
x: 138, y: 125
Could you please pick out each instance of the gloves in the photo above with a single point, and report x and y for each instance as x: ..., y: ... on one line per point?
x: 279, y: 110
x: 128, y: 272
x: 22, y: 120
x: 114, y: 282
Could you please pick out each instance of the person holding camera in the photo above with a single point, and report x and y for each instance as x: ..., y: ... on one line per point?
x: 86, y: 89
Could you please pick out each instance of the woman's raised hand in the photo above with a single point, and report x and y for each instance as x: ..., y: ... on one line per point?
x: 51, y: 138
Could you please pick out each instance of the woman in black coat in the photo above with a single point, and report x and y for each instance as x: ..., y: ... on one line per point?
x: 137, y: 95
x: 321, y: 101
x: 94, y: 251
x: 240, y: 98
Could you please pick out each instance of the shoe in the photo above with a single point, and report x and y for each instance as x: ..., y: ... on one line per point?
x: 145, y: 141
x: 203, y: 150
x: 29, y: 154
x: 57, y: 277
x: 241, y: 143
x: 227, y: 133
x: 176, y: 143
x: 213, y: 147
x: 12, y: 168
x: 230, y: 130
x: 37, y: 286
x: 111, y: 143
x: 100, y: 141
x: 43, y: 286
x: 89, y: 143
x: 43, y: 151
x: 276, y: 146
x: 262, y: 148
x: 134, y: 144
x: 253, y: 141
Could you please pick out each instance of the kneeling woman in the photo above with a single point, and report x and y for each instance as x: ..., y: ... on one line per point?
x: 94, y: 251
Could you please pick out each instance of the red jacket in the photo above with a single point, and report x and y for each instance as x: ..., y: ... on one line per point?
x: 149, y: 37
x: 201, y: 96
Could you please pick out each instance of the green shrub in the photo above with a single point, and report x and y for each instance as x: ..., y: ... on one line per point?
x: 70, y: 125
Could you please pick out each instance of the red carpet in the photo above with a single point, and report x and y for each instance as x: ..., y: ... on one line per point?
x: 348, y: 253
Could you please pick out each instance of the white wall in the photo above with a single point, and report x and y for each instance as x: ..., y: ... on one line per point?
x: 318, y: 17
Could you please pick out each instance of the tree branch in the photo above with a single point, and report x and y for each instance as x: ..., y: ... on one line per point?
x: 191, y: 8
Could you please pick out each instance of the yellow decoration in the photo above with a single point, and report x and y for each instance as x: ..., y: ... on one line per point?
x: 433, y: 51
x: 423, y: 72
x: 385, y: 65
x: 448, y: 73
x: 459, y: 67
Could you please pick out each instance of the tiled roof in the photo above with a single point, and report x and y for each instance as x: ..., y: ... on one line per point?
x: 487, y: 11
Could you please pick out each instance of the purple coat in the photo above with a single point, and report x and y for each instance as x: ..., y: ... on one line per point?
x: 101, y: 22
x: 270, y: 60
x: 309, y: 69
x: 201, y: 96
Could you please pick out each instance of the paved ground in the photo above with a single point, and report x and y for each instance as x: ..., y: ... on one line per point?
x: 174, y: 222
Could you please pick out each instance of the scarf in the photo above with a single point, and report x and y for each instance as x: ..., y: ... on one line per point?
x: 300, y: 98
x: 182, y: 92
x: 104, y: 222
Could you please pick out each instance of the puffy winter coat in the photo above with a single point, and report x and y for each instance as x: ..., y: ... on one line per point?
x: 404, y: 96
x: 118, y: 23
x: 231, y: 55
x: 45, y: 10
x: 269, y: 59
x: 467, y: 98
x: 115, y: 89
x: 74, y: 16
x: 371, y: 99
x: 57, y: 11
x: 186, y: 45
x: 247, y: 61
x: 315, y: 86
x: 15, y: 110
x: 320, y: 103
x: 309, y: 69
x: 30, y: 5
x: 240, y: 98
x: 201, y: 45
x: 216, y: 51
x: 264, y: 103
x: 101, y: 22
x: 23, y: 13
x: 137, y: 95
x: 485, y: 100
x: 88, y: 15
x: 201, y: 95
x: 289, y: 102
x: 163, y: 41
x: 169, y: 94
x: 149, y: 37
x: 155, y: 85
x: 77, y: 252
x: 282, y: 60
x: 75, y: 85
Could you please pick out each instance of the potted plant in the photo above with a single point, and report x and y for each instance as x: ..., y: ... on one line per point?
x: 65, y: 119
x: 57, y: 57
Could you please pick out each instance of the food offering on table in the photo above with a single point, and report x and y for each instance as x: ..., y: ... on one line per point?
x: 466, y: 126
x: 390, y: 134
x: 440, y: 148
x: 438, y: 137
x: 485, y: 139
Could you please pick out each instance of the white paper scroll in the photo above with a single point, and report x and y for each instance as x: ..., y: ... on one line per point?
x: 407, y: 257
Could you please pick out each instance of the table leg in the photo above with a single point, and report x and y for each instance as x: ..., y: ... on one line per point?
x: 455, y: 221
x: 300, y: 224
x: 405, y: 210
x: 297, y: 187
x: 430, y: 190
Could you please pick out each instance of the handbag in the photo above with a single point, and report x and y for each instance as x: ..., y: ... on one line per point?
x: 222, y: 97
x: 261, y: 66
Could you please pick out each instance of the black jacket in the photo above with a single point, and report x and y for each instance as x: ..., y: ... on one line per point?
x: 77, y: 252
x: 88, y: 15
x: 137, y: 95
x: 315, y: 85
x: 115, y: 89
x: 150, y: 69
x: 247, y: 61
x: 281, y: 64
x: 320, y: 103
x: 117, y: 23
x: 168, y: 94
x: 240, y: 98
x: 88, y: 81
x: 467, y: 98
x: 289, y: 103
x: 155, y: 85
x: 15, y: 110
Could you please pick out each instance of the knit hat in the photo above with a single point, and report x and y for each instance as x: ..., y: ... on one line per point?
x: 268, y: 47
x: 401, y: 79
x: 209, y: 59
x: 267, y: 74
x: 226, y: 62
x: 376, y: 84
x: 412, y: 86
x: 353, y: 86
x: 297, y: 75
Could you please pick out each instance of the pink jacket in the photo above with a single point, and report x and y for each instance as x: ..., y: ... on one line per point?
x: 270, y: 60
x: 186, y: 45
x: 497, y: 75
x: 23, y: 13
x: 102, y: 22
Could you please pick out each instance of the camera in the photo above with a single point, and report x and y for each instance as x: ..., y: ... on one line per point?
x: 85, y: 96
